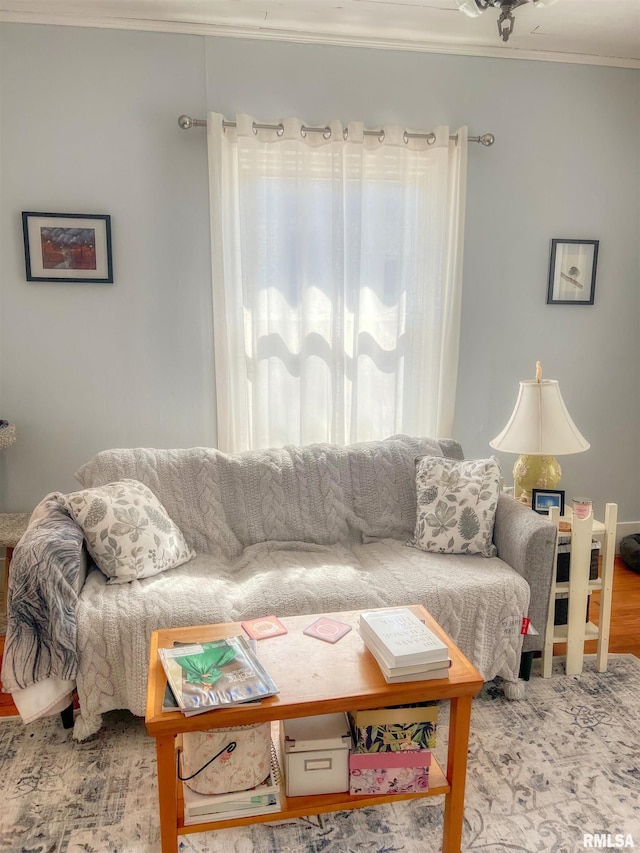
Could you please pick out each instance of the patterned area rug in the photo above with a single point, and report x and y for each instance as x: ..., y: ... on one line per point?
x: 542, y: 773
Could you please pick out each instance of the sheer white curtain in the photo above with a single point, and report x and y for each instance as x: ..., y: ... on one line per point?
x: 337, y: 265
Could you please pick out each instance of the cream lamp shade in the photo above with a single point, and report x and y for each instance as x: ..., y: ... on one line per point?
x: 540, y: 428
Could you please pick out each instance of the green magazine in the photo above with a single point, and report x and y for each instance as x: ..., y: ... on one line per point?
x: 216, y: 674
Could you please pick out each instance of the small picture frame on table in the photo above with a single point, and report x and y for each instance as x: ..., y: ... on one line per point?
x: 572, y: 272
x: 543, y: 499
x: 65, y: 247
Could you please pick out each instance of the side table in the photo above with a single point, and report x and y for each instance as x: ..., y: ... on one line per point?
x: 578, y: 588
x: 12, y: 526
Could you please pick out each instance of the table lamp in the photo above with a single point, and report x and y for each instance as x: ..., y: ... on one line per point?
x: 539, y: 429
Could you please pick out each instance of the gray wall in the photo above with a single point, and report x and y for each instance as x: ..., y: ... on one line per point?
x: 88, y: 124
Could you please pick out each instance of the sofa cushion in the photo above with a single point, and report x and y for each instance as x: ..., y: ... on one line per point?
x: 291, y: 578
x: 324, y: 494
x: 127, y: 530
x: 456, y: 505
x: 381, y: 484
x: 478, y: 602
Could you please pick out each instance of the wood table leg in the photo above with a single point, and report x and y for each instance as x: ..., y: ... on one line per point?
x: 459, y: 722
x: 167, y: 792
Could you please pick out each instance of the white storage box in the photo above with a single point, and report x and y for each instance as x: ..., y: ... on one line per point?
x: 315, y: 752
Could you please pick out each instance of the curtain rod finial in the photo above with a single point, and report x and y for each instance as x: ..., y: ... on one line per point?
x: 185, y: 122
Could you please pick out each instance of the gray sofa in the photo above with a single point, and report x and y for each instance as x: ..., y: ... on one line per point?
x: 289, y: 531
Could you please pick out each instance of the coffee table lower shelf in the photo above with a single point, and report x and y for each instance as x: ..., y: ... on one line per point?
x: 293, y: 807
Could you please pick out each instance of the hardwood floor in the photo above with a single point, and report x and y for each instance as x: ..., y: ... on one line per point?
x: 625, y: 623
x: 625, y: 612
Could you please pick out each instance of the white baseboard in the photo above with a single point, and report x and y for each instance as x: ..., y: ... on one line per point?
x: 625, y: 528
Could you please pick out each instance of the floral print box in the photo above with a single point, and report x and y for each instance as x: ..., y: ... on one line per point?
x: 389, y: 772
x: 396, y: 729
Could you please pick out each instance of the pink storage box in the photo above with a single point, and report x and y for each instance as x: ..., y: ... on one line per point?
x: 389, y: 772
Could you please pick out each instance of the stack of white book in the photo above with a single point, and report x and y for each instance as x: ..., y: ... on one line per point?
x: 405, y: 649
x: 263, y: 799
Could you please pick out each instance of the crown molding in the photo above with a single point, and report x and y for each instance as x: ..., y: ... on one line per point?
x: 221, y: 30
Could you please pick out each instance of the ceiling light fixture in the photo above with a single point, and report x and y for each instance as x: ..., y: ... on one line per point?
x: 474, y: 8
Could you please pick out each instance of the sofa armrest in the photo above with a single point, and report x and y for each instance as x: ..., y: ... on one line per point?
x: 526, y: 541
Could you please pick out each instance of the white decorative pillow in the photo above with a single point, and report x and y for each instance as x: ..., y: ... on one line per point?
x: 457, y: 503
x: 127, y: 530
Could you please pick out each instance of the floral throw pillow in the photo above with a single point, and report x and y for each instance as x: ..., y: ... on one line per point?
x: 127, y: 531
x: 456, y: 505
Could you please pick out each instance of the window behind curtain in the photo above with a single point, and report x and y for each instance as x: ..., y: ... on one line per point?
x: 336, y: 277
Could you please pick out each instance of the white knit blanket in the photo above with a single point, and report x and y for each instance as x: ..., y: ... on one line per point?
x: 477, y: 601
x: 292, y: 531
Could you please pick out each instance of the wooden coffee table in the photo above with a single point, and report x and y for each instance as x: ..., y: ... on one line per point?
x: 314, y: 678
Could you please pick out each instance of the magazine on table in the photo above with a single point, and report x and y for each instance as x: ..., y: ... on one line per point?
x: 215, y: 674
x: 169, y: 703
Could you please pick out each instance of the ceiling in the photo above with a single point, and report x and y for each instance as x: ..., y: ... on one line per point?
x: 599, y: 32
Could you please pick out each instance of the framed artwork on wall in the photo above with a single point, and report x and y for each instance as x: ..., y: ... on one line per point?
x: 572, y: 272
x: 68, y: 247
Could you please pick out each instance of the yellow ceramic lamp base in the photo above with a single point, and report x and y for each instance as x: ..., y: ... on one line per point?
x: 534, y: 472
